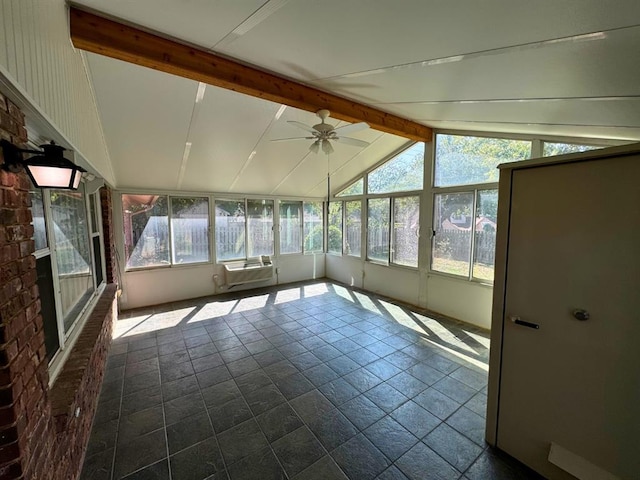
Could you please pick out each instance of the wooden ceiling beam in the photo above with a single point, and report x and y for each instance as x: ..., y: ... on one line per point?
x: 111, y: 38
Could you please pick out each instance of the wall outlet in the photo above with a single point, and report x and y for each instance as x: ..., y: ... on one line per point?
x: 277, y: 271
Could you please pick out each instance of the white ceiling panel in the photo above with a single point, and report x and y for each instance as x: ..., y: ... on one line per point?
x: 308, y: 39
x: 599, y: 65
x: 145, y: 117
x: 201, y: 22
x: 225, y: 130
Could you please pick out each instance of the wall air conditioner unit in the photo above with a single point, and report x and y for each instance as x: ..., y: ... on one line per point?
x: 249, y: 271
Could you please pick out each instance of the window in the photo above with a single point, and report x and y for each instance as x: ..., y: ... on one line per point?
x: 392, y: 230
x: 471, y: 160
x: 335, y: 228
x: 313, y: 227
x: 290, y: 227
x: 353, y: 228
x: 356, y: 188
x: 485, y: 234
x: 46, y: 288
x: 73, y: 253
x: 156, y: 235
x: 244, y: 228
x: 405, y: 233
x: 562, y: 148
x: 464, y: 229
x: 230, y: 229
x: 452, y: 233
x: 378, y: 229
x: 260, y: 227
x: 404, y: 172
x: 146, y: 230
x: 69, y: 263
x: 39, y: 225
x: 96, y: 241
x: 189, y: 229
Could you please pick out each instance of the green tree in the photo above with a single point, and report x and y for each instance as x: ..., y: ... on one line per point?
x: 464, y: 160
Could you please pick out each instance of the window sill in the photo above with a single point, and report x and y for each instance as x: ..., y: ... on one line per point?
x: 392, y: 265
x: 481, y: 283
x: 168, y: 267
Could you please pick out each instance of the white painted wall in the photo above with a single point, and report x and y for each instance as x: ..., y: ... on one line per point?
x: 154, y: 286
x: 296, y: 268
x: 161, y: 285
x: 395, y: 282
x: 467, y: 301
x: 42, y: 72
x: 345, y: 269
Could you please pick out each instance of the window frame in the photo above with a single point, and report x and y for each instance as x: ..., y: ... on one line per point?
x: 120, y: 228
x: 278, y: 230
x: 278, y: 222
x: 171, y: 240
x: 322, y: 224
x: 390, y: 236
x: 469, y: 190
x: 328, y: 229
x: 68, y: 338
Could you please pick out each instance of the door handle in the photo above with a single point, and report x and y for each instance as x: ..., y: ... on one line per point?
x: 580, y: 314
x: 518, y: 321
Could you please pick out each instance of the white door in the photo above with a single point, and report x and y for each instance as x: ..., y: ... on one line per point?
x: 574, y: 244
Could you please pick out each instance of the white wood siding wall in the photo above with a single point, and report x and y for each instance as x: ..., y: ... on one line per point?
x: 37, y: 57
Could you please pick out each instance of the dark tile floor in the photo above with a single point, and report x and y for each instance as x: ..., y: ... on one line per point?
x: 313, y: 381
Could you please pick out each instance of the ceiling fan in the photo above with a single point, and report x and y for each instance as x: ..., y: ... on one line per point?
x: 324, y: 133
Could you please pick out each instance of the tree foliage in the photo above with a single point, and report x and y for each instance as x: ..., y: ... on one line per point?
x: 404, y: 172
x: 465, y: 160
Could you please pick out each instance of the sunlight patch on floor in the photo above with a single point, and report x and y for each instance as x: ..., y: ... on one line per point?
x: 343, y: 292
x: 443, y: 333
x: 366, y: 302
x: 213, y: 310
x: 288, y: 295
x: 251, y: 303
x: 315, y: 290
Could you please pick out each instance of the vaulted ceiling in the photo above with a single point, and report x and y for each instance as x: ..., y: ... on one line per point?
x: 565, y: 68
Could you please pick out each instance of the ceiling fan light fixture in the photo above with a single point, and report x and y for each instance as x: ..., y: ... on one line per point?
x: 326, y: 146
x: 315, y: 147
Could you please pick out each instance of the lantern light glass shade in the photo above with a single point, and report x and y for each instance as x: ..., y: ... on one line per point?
x: 49, y: 169
x: 52, y: 177
x: 61, y: 174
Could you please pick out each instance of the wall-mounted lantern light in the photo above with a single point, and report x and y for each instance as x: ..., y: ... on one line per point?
x: 47, y: 169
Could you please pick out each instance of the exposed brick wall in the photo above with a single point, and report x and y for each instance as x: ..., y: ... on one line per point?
x: 78, y: 387
x: 40, y: 436
x: 23, y: 367
x: 109, y: 239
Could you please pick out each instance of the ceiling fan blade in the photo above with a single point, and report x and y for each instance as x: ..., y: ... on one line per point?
x: 292, y: 138
x: 354, y: 127
x: 302, y: 126
x: 352, y: 141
